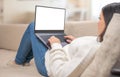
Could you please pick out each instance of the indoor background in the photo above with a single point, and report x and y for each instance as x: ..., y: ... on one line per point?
x: 22, y: 11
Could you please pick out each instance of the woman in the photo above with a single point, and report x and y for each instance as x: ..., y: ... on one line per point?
x: 52, y: 62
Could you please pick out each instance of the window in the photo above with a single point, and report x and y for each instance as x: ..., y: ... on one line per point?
x: 97, y: 6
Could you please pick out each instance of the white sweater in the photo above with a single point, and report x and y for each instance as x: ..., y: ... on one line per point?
x: 64, y: 61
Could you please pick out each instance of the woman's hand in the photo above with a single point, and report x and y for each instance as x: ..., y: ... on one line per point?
x: 53, y: 39
x: 69, y: 38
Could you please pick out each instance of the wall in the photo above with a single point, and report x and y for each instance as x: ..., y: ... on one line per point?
x: 22, y: 11
x: 1, y: 11
x: 86, y: 4
x: 97, y: 6
x: 79, y: 10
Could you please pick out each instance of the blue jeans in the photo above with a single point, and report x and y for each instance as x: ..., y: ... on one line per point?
x: 30, y: 47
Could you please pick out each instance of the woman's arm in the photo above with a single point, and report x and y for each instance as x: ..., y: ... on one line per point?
x: 60, y: 64
x: 53, y: 39
x: 69, y: 38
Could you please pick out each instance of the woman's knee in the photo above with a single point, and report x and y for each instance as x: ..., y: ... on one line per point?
x: 31, y: 26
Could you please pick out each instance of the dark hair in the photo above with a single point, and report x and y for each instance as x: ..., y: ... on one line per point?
x: 108, y: 12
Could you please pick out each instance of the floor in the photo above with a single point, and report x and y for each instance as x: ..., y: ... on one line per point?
x: 7, y: 70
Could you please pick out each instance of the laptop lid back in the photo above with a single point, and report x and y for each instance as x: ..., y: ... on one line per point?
x: 49, y: 19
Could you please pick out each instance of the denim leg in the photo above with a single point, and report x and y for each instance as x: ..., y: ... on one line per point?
x: 39, y: 50
x: 24, y: 53
x: 31, y: 46
x: 29, y: 57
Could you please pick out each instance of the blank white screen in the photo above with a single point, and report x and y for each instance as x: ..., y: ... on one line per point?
x: 49, y: 18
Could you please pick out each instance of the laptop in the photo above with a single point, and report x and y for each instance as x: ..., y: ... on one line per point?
x: 50, y: 21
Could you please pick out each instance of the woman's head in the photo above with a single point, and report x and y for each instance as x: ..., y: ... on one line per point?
x: 105, y: 17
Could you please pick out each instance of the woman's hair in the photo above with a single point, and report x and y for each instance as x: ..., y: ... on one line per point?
x: 108, y: 12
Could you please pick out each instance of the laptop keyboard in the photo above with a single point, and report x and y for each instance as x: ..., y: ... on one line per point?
x: 44, y: 38
x: 47, y: 36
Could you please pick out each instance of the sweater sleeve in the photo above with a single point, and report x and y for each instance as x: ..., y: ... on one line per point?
x: 60, y: 64
x: 57, y: 59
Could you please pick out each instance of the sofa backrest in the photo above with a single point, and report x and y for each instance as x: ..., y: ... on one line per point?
x: 82, y: 28
x: 11, y: 34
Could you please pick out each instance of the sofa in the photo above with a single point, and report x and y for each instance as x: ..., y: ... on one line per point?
x: 10, y: 37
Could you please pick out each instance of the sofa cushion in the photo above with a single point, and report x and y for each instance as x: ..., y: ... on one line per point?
x: 82, y: 28
x: 7, y: 70
x: 10, y: 35
x: 108, y: 52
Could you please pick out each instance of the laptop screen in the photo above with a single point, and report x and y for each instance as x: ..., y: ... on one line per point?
x: 49, y: 18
